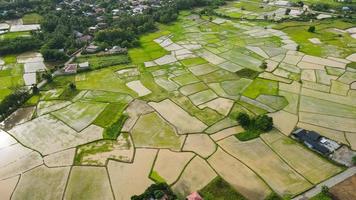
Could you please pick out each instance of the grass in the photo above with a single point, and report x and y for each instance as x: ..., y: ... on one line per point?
x: 156, y: 177
x: 100, y: 61
x: 248, y: 135
x: 219, y: 189
x: 193, y: 61
x: 32, y: 18
x: 13, y: 35
x: 92, y: 148
x: 321, y: 196
x: 33, y: 100
x: 333, y: 43
x: 9, y: 59
x: 110, y: 115
x: 151, y: 130
x: 114, y: 130
x: 149, y: 50
x: 352, y: 65
x: 261, y: 86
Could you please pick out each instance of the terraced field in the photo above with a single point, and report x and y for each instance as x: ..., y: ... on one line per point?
x: 170, y: 116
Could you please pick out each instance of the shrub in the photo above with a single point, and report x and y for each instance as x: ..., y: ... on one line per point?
x: 311, y: 29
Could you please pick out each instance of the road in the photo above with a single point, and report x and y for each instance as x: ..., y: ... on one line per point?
x: 329, y: 183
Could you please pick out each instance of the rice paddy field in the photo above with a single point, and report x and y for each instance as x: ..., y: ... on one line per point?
x: 169, y: 115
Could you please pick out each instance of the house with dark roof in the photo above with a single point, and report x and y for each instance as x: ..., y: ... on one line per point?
x: 315, y: 141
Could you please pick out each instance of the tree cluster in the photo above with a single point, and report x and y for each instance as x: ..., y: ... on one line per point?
x: 18, y: 45
x: 262, y: 123
x: 156, y: 191
x: 12, y: 102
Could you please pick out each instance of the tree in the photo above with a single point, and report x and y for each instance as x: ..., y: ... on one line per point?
x: 244, y: 120
x: 325, y: 190
x: 35, y: 89
x: 156, y: 191
x: 354, y: 160
x: 263, y: 65
x: 72, y: 86
x: 311, y: 29
x: 264, y: 123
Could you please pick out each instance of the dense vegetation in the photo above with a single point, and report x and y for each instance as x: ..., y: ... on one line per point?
x: 12, y: 103
x: 253, y: 126
x: 156, y: 191
x: 18, y: 45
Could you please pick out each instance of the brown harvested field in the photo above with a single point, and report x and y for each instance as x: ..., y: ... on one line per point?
x: 240, y: 177
x: 194, y: 177
x: 169, y: 164
x: 304, y: 161
x: 260, y: 158
x: 345, y: 190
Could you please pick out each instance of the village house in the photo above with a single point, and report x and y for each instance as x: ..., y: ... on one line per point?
x: 70, y: 68
x: 92, y: 48
x: 315, y: 141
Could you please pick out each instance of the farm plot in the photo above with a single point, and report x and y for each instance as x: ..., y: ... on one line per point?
x: 201, y: 144
x: 88, y: 183
x: 307, y: 163
x: 239, y: 176
x: 128, y: 179
x: 191, y: 179
x: 16, y: 158
x: 178, y: 117
x: 261, y: 86
x: 105, y: 96
x: 258, y: 156
x: 7, y: 187
x: 60, y: 159
x: 151, y: 130
x: 80, y: 114
x: 36, y: 183
x: 169, y: 165
x: 45, y: 107
x: 97, y: 153
x: 48, y: 135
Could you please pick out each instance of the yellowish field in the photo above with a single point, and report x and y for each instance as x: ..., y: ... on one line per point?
x: 307, y: 163
x: 239, y: 175
x: 258, y: 156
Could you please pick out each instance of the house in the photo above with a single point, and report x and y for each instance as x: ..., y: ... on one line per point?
x: 101, y: 25
x: 117, y: 49
x: 315, y: 141
x: 84, y: 39
x: 92, y: 29
x: 194, y: 196
x: 70, y: 68
x: 83, y: 66
x: 92, y: 48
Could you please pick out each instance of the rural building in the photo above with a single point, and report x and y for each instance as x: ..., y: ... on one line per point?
x: 83, y: 66
x: 315, y: 141
x: 194, y: 196
x: 70, y: 68
x: 92, y: 48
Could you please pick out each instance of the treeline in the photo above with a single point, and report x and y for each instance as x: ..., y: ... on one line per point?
x: 12, y: 103
x: 19, y: 45
x: 127, y: 28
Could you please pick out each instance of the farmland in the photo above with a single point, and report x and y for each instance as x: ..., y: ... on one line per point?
x: 166, y: 112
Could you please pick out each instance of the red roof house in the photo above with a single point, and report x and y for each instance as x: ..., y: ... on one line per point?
x: 194, y: 196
